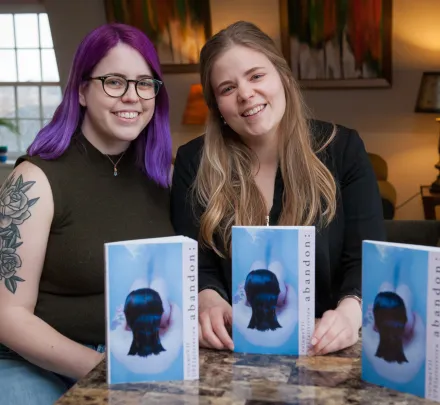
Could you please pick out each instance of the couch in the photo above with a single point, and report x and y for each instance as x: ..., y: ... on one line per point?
x: 415, y: 232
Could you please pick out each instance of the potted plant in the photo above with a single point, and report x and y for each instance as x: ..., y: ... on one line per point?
x: 3, y: 148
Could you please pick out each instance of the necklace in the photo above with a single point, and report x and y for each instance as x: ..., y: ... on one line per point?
x: 115, y: 169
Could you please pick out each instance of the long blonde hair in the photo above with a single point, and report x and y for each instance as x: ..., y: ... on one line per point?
x: 225, y: 185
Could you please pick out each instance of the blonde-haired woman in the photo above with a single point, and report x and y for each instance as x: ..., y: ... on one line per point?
x: 262, y: 160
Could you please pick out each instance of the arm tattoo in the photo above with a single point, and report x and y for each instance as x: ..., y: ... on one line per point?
x: 14, y: 210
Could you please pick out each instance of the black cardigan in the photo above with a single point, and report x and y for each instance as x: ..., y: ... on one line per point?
x: 338, y: 246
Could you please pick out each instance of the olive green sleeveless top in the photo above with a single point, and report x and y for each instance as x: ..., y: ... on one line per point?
x: 91, y: 207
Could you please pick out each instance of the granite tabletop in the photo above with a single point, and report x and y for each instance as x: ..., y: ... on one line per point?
x: 248, y: 379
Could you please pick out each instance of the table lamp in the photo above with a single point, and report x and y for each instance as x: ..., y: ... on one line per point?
x: 435, y: 186
x: 196, y: 110
x: 428, y: 101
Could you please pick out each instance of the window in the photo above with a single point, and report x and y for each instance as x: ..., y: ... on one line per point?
x: 29, y: 81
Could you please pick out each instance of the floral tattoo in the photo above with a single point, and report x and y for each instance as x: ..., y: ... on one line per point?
x: 14, y: 210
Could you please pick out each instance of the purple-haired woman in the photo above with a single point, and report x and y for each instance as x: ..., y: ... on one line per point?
x: 97, y: 172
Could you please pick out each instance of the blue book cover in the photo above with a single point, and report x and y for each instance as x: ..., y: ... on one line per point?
x: 401, y: 317
x: 152, y: 310
x: 273, y: 287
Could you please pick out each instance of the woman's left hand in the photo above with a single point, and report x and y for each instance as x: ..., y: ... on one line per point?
x: 337, y: 329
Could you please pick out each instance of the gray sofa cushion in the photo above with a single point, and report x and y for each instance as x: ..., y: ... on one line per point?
x: 416, y: 232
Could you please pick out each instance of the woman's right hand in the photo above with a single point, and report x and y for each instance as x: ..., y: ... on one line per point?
x: 215, y: 318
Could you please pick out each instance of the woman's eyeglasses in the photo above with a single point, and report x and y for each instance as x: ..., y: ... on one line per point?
x: 116, y: 86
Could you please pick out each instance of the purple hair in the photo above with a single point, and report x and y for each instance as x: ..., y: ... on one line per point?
x: 153, y: 145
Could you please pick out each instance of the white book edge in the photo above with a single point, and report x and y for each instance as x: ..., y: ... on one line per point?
x: 190, y: 286
x: 107, y: 315
x: 165, y: 239
x: 404, y: 245
x: 274, y: 227
x: 306, y: 287
x: 432, y: 365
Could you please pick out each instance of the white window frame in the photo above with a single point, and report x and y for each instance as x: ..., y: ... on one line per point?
x: 25, y: 9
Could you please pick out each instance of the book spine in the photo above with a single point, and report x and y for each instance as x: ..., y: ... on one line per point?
x: 190, y: 287
x: 107, y: 314
x: 432, y: 371
x: 306, y: 288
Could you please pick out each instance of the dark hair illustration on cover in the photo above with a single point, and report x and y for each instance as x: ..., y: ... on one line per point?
x: 390, y: 319
x: 143, y: 311
x: 146, y: 334
x: 265, y: 304
x: 262, y: 289
x: 394, y: 332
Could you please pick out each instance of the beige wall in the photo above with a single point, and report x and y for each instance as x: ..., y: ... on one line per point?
x: 70, y: 21
x: 384, y: 117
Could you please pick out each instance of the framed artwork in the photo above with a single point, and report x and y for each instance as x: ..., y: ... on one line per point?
x: 338, y: 43
x: 178, y: 28
x: 428, y: 99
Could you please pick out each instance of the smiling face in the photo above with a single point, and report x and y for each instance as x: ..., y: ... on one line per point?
x: 110, y: 123
x: 249, y: 92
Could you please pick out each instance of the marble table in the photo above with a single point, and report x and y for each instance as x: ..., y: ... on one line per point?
x: 246, y: 379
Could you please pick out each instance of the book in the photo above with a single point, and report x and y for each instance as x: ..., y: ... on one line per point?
x: 152, y: 310
x: 401, y: 317
x: 273, y: 288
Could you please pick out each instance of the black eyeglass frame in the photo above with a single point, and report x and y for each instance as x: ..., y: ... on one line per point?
x: 103, y: 78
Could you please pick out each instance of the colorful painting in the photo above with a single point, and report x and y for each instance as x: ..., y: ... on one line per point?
x: 338, y: 43
x: 178, y: 28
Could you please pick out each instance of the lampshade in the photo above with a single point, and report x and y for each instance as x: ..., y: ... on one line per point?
x: 435, y: 186
x: 196, y: 110
x: 428, y: 99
